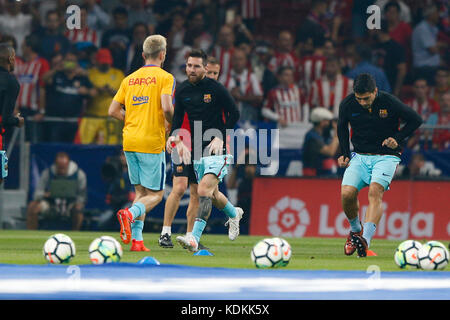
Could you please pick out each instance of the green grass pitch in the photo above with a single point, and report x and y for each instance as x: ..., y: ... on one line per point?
x: 25, y: 247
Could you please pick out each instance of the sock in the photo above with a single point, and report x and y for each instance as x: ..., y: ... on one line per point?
x: 355, y: 224
x: 167, y: 230
x: 136, y: 230
x: 229, y: 210
x: 369, y: 231
x: 137, y: 209
x: 188, y: 233
x: 199, y: 226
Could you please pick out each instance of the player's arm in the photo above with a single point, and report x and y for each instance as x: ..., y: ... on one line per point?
x: 116, y: 110
x: 229, y: 105
x: 343, y: 135
x: 411, y: 118
x: 167, y: 106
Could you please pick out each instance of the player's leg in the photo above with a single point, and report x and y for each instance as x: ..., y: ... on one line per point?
x: 179, y: 186
x: 382, y: 173
x: 221, y: 202
x: 355, y: 178
x: 77, y: 216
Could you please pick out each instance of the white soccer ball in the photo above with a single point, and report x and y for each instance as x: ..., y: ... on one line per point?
x: 433, y: 256
x: 105, y: 249
x: 406, y: 255
x: 285, y: 250
x: 267, y: 254
x: 59, y: 248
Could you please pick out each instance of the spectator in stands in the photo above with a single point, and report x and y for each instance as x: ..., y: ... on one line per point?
x: 241, y: 178
x: 312, y: 65
x: 441, y: 138
x: 359, y: 19
x: 284, y: 54
x: 32, y: 98
x: 134, y: 52
x: 60, y: 195
x: 363, y: 58
x: 68, y: 86
x: 118, y: 38
x: 244, y: 87
x: 96, y: 127
x: 320, y: 146
x: 399, y: 30
x: 85, y: 35
x: 425, y: 45
x: 196, y: 25
x: 286, y: 105
x: 175, y: 37
x: 52, y: 39
x: 259, y: 60
x: 417, y: 167
x: 404, y: 12
x: 313, y: 30
x: 442, y: 84
x: 390, y: 56
x: 97, y: 18
x: 137, y: 13
x: 224, y: 49
x: 329, y: 90
x: 428, y: 110
x: 14, y: 22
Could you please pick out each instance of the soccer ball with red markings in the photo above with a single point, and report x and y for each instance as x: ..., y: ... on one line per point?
x: 406, y: 254
x: 286, y: 251
x: 267, y: 254
x: 105, y: 249
x: 59, y: 248
x: 433, y: 256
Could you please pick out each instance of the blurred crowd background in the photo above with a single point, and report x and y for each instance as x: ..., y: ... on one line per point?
x: 280, y: 60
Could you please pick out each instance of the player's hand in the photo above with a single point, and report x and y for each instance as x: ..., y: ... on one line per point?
x: 184, y: 153
x: 343, y: 162
x: 216, y: 147
x: 171, y: 143
x: 390, y: 143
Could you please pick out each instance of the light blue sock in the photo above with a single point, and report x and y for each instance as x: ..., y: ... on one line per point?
x: 229, y: 210
x: 355, y: 224
x: 199, y: 226
x: 136, y: 230
x: 137, y: 209
x: 369, y: 231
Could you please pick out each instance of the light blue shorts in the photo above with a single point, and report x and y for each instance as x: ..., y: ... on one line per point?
x: 147, y: 169
x: 217, y: 165
x: 3, y: 165
x: 365, y: 169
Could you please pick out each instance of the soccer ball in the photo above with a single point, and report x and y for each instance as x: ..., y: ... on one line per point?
x: 285, y: 249
x: 406, y: 254
x: 59, y: 248
x: 105, y: 249
x: 267, y: 254
x: 433, y: 256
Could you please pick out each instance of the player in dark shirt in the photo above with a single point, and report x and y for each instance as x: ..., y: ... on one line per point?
x: 209, y: 105
x: 9, y: 90
x: 374, y: 117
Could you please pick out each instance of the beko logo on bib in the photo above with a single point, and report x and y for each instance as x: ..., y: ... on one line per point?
x: 140, y: 100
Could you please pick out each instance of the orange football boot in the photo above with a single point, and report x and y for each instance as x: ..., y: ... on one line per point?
x: 138, y: 246
x: 125, y: 218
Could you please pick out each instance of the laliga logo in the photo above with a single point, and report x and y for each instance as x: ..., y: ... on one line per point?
x: 288, y: 218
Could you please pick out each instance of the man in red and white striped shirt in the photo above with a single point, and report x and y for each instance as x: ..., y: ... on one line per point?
x: 286, y: 104
x: 244, y: 86
x: 427, y: 108
x: 29, y: 73
x: 331, y: 89
x: 224, y: 49
x: 85, y: 34
x: 284, y: 55
x: 312, y: 68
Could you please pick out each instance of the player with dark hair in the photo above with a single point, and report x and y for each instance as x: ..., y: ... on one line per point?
x: 374, y: 117
x: 208, y: 103
x: 184, y: 175
x: 9, y: 90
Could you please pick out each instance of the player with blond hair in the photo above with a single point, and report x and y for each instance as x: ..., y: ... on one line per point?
x: 144, y: 103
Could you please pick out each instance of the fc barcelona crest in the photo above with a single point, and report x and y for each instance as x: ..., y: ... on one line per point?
x: 207, y: 98
x: 383, y: 113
